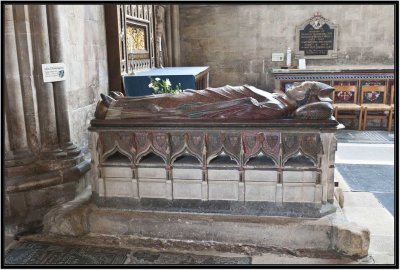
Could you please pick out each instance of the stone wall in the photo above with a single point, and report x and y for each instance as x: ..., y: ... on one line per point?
x: 84, y: 44
x: 237, y: 41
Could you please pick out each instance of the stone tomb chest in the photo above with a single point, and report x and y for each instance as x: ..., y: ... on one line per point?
x: 283, y: 168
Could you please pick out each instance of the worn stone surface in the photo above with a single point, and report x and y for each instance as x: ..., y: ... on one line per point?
x: 152, y: 188
x: 39, y: 253
x: 296, y: 234
x: 288, y: 259
x: 117, y: 172
x: 263, y: 205
x: 69, y: 218
x: 185, y: 174
x: 42, y: 253
x: 13, y: 94
x: 149, y: 257
x: 44, y: 94
x: 187, y: 189
x: 237, y: 41
x: 51, y: 195
x: 20, y: 203
x: 25, y: 210
x: 261, y: 175
x: 152, y: 173
x: 260, y: 191
x: 351, y: 239
x: 24, y: 52
x: 339, y: 196
x: 120, y: 187
x: 84, y: 45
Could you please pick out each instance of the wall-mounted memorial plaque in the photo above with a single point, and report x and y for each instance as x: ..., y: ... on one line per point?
x: 316, y: 38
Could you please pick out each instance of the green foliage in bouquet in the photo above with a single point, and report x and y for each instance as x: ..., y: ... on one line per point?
x: 163, y: 86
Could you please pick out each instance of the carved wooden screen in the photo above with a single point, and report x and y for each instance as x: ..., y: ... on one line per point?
x: 136, y: 25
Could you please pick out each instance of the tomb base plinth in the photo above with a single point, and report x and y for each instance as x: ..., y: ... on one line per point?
x: 331, y: 235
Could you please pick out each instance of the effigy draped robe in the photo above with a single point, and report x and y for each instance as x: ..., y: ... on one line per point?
x: 233, y: 102
x: 308, y: 100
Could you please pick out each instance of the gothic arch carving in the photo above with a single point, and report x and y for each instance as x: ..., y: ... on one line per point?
x: 150, y: 151
x: 216, y: 155
x: 229, y: 143
x: 294, y: 155
x: 261, y: 151
x: 192, y: 143
x: 186, y: 153
x: 115, y: 150
x: 123, y: 140
x: 308, y: 144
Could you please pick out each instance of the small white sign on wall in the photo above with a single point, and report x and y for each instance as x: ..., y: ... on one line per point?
x: 53, y: 72
x: 277, y: 57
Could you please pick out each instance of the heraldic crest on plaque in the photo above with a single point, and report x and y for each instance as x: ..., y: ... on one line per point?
x: 316, y: 38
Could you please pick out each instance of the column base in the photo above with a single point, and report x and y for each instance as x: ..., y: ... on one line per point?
x: 71, y: 149
x: 60, y: 157
x: 28, y: 198
x: 18, y: 163
x: 61, y: 162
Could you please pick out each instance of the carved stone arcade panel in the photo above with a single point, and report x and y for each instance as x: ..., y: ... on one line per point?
x: 241, y: 147
x: 269, y: 166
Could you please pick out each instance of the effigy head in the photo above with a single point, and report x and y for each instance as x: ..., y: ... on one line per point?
x: 312, y: 100
x: 309, y: 92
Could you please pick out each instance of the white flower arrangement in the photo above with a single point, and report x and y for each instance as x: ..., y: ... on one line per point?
x: 163, y: 86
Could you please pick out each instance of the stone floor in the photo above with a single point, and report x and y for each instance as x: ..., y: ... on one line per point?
x: 366, y: 176
x: 368, y: 200
x: 28, y: 252
x: 367, y: 136
x: 41, y: 253
x: 375, y: 179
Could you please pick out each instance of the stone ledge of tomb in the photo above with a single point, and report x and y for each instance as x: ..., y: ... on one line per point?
x: 332, y: 234
x: 289, y: 124
x: 248, y: 208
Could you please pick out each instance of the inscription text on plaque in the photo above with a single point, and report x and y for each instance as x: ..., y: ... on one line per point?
x: 316, y: 39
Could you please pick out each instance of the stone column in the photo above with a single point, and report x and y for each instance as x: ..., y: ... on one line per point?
x: 25, y: 61
x: 159, y: 32
x: 7, y: 148
x: 60, y: 89
x: 176, y: 59
x: 45, y: 96
x: 13, y: 96
x: 168, y: 33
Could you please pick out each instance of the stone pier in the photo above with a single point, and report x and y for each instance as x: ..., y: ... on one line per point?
x: 42, y: 166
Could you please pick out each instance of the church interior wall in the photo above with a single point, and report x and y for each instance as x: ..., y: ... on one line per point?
x: 84, y: 42
x: 237, y: 41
